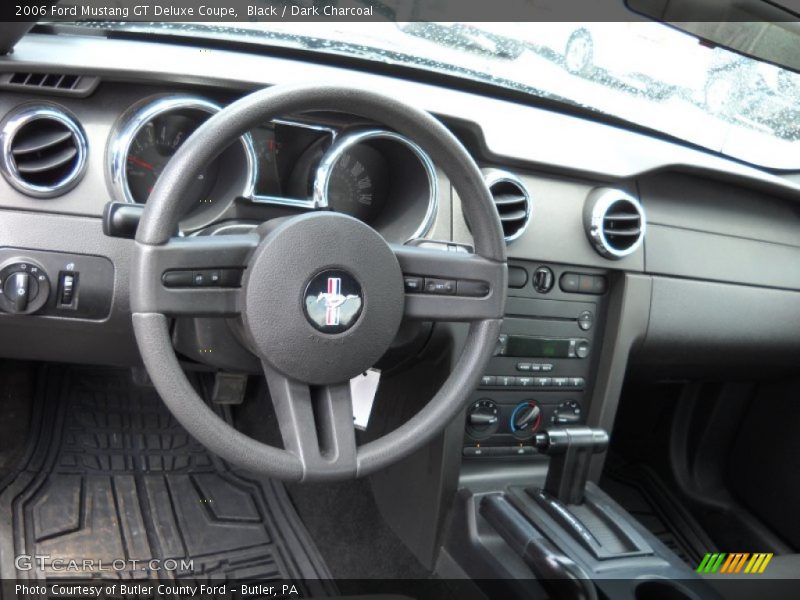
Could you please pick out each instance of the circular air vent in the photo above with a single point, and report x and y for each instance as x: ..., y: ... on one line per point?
x: 615, y: 222
x: 43, y: 151
x: 512, y: 200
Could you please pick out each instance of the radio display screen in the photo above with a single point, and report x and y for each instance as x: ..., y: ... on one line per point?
x: 531, y: 347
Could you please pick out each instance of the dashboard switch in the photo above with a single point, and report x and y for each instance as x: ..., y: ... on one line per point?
x: 569, y: 282
x: 18, y: 290
x: 517, y: 277
x: 24, y: 287
x: 543, y: 279
x: 67, y: 289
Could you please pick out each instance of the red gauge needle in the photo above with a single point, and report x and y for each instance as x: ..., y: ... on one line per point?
x: 138, y: 161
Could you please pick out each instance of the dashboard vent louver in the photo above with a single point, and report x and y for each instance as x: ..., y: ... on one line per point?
x: 51, y: 83
x: 615, y: 222
x: 43, y: 151
x: 512, y: 200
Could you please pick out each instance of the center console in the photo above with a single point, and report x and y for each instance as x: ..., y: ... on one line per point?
x: 545, y: 360
x: 528, y: 518
x: 562, y: 537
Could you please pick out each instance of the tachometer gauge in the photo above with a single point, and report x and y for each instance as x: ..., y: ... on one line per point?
x: 358, y: 183
x: 152, y: 148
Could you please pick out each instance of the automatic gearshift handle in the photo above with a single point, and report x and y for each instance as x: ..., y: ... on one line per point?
x: 570, y: 452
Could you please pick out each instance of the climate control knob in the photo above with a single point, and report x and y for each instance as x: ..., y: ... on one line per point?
x: 526, y: 419
x: 24, y: 287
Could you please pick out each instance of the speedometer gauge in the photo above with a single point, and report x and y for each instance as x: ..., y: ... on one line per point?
x: 381, y: 178
x: 152, y: 148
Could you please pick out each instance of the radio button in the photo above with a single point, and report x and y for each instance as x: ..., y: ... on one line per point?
x: 506, y: 380
x: 582, y: 349
x: 525, y: 367
x: 488, y: 380
x: 542, y: 381
x: 560, y: 382
x: 547, y: 367
x: 577, y: 382
x: 525, y: 381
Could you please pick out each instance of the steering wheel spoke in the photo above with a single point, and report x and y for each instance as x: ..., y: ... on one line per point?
x: 200, y: 276
x: 451, y: 286
x: 316, y: 423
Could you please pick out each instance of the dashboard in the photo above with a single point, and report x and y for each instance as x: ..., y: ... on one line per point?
x: 624, y: 249
x: 335, y: 164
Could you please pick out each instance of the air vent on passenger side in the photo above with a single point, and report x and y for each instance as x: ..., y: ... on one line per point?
x: 615, y: 222
x: 43, y: 151
x: 512, y: 200
x: 50, y: 83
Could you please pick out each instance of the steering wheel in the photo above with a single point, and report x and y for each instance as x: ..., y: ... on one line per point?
x: 321, y: 297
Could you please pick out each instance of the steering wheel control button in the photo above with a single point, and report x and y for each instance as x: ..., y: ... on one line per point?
x: 172, y: 279
x: 205, y: 278
x: 440, y: 286
x: 477, y: 289
x: 413, y: 285
x: 333, y: 301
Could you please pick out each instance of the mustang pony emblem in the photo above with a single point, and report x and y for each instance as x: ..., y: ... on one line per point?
x: 334, y: 299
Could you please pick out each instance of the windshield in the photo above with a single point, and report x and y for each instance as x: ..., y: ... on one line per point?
x: 643, y: 72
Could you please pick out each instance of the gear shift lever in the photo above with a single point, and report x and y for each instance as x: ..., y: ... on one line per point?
x: 570, y: 452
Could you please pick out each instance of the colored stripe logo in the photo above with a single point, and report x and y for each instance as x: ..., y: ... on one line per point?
x: 734, y: 562
x: 332, y: 310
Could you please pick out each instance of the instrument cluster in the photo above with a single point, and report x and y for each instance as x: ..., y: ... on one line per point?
x: 374, y: 175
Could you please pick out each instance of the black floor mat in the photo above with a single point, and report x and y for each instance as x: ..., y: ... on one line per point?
x: 109, y: 475
x: 643, y: 494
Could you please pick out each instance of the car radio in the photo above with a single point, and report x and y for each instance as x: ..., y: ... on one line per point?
x: 541, y: 373
x: 526, y: 346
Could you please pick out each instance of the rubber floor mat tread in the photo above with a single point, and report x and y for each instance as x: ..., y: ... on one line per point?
x: 109, y: 475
